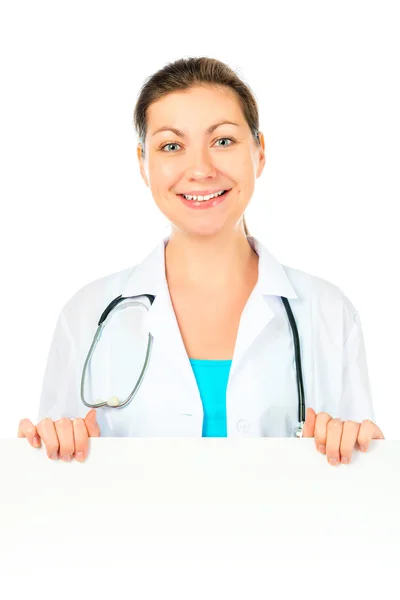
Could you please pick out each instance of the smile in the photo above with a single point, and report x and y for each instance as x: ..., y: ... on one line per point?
x: 208, y: 202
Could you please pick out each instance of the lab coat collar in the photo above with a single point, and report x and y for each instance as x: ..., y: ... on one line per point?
x: 148, y: 277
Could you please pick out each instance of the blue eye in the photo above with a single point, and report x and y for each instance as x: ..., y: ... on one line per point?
x: 219, y: 139
x: 225, y: 138
x: 173, y: 144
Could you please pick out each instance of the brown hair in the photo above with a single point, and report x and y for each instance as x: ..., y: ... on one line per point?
x: 186, y: 73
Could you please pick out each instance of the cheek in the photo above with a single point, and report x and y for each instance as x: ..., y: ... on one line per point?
x: 241, y: 166
x: 162, y: 172
x: 244, y: 175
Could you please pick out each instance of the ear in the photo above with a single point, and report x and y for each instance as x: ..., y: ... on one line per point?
x: 261, y: 150
x: 141, y: 164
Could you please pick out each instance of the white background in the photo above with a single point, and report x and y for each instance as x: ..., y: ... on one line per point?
x: 74, y: 207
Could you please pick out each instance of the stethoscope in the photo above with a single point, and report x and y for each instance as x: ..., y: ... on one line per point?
x: 122, y: 302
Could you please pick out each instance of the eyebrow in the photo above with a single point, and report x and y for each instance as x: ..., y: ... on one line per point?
x: 180, y: 133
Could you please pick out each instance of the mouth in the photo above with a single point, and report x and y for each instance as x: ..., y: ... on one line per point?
x: 204, y: 204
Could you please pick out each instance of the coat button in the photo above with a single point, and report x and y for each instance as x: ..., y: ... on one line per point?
x: 243, y: 426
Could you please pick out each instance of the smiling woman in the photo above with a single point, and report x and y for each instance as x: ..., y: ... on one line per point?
x: 190, y: 92
x: 220, y: 349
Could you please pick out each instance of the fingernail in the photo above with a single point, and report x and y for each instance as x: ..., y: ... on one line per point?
x: 54, y: 456
x: 321, y: 449
x: 79, y: 455
x: 362, y: 448
x: 66, y: 458
x: 333, y: 461
x: 345, y: 460
x: 35, y: 441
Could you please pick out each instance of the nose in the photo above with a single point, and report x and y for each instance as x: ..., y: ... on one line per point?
x: 200, y: 164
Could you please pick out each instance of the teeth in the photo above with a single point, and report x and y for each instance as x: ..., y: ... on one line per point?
x: 202, y: 198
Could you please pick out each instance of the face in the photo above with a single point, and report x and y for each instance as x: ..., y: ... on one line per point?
x: 201, y: 158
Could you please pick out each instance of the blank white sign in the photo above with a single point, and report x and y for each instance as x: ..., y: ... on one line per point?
x: 199, y: 518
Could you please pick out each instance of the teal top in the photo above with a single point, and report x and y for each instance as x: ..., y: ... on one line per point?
x: 212, y: 379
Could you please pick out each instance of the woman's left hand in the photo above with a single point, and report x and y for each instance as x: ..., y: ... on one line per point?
x: 338, y: 438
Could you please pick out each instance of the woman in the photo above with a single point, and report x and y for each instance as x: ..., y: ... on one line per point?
x: 222, y: 361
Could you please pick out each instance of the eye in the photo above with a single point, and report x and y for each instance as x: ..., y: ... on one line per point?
x: 170, y: 144
x: 219, y: 139
x: 226, y: 138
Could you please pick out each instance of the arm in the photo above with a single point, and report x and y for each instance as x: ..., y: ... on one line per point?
x: 59, y: 396
x: 356, y: 400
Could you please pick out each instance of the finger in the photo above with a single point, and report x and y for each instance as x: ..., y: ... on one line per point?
x: 48, y: 434
x: 309, y: 425
x: 81, y: 439
x: 65, y: 434
x: 368, y: 431
x: 27, y: 429
x: 333, y: 440
x: 91, y: 424
x: 349, y: 440
x: 321, y: 424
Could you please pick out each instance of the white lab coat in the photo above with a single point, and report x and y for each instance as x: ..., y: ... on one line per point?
x: 261, y: 396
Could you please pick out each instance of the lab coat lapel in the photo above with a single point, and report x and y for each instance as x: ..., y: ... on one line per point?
x: 255, y: 317
x: 258, y: 314
x: 149, y: 277
x: 163, y: 325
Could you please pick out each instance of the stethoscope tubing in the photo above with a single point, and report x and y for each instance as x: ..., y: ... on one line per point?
x: 151, y: 298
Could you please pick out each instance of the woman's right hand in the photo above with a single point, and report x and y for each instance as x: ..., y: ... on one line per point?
x: 64, y: 438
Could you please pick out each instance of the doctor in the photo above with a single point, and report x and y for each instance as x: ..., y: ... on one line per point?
x: 222, y: 362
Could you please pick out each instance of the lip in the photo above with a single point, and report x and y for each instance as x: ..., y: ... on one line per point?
x: 203, y: 192
x: 203, y: 205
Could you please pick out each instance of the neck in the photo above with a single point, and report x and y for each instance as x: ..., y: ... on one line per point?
x: 204, y: 263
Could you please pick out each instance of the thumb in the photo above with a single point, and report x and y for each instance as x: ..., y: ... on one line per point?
x: 91, y: 424
x: 309, y: 425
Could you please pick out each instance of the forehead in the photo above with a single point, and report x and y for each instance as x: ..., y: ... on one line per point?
x: 196, y: 106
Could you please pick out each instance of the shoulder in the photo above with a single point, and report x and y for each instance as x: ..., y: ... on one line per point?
x: 326, y: 302
x: 90, y: 300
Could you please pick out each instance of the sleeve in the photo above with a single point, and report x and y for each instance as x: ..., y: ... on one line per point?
x: 356, y: 400
x: 59, y: 395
